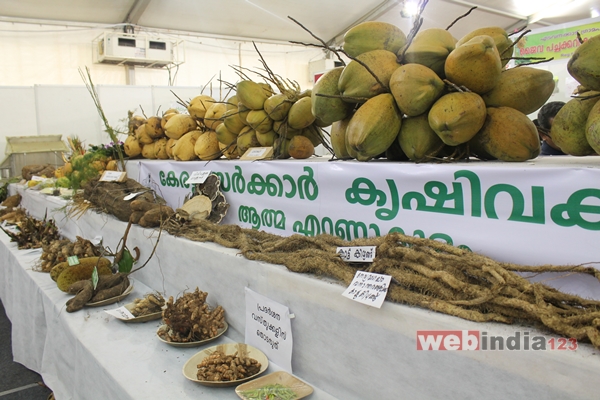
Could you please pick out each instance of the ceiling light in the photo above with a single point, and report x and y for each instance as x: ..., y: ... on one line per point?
x: 409, y: 9
x: 594, y: 12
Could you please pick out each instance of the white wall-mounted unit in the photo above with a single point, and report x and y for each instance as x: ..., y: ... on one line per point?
x: 319, y: 67
x: 136, y: 50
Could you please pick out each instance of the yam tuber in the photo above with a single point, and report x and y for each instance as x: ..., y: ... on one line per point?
x: 82, y: 297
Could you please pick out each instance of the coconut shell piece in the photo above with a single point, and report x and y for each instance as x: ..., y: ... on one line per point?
x: 209, y: 190
x: 198, y: 207
x: 210, y: 187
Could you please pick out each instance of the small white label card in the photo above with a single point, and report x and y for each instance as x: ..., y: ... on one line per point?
x: 257, y: 153
x: 368, y: 288
x: 120, y: 313
x: 113, y: 176
x: 72, y: 260
x: 357, y: 253
x: 37, y: 178
x: 198, y: 177
x: 269, y: 328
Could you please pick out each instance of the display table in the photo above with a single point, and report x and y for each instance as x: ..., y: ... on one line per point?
x: 89, y: 354
x: 346, y: 349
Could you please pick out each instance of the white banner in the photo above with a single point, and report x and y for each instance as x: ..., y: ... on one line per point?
x: 525, y: 214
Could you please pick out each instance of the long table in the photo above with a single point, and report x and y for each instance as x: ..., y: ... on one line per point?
x: 345, y: 349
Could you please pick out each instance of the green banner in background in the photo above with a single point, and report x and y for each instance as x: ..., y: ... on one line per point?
x: 559, y: 44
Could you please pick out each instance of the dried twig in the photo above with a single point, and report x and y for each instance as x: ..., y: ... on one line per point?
x: 461, y: 17
x: 112, y: 133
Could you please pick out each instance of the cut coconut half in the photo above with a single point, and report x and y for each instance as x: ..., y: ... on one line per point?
x: 198, y: 207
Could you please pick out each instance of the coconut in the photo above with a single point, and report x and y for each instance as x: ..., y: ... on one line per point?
x: 508, y: 135
x: 148, y: 151
x: 337, y: 135
x: 301, y: 147
x: 277, y: 106
x: 373, y: 35
x: 430, y: 47
x: 142, y: 135
x: 207, y: 146
x: 568, y: 129
x: 247, y: 139
x: 232, y: 121
x: 213, y: 116
x: 329, y: 109
x: 259, y: 121
x: 266, y: 139
x: 475, y: 64
x: 153, y: 127
x: 357, y: 82
x: 415, y: 88
x: 456, y: 117
x: 224, y: 135
x: 180, y: 124
x: 417, y: 140
x: 199, y: 105
x: 160, y: 149
x: 252, y: 94
x: 131, y: 147
x: 184, y: 147
x: 300, y: 115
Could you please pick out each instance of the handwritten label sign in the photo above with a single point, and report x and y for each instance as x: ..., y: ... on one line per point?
x: 120, y: 313
x: 357, y: 253
x: 257, y: 153
x: 113, y: 176
x: 198, y: 177
x: 37, y: 178
x: 269, y: 328
x: 368, y: 288
x: 73, y: 260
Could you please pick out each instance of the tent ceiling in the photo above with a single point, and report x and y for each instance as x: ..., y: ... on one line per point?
x: 268, y: 19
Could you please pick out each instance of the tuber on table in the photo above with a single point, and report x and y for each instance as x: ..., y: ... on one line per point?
x: 112, y: 286
x: 219, y: 367
x: 151, y: 303
x: 190, y: 319
x: 60, y: 250
x: 83, y: 291
x: 108, y: 286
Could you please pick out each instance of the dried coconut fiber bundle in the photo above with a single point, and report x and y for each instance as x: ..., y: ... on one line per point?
x: 425, y: 273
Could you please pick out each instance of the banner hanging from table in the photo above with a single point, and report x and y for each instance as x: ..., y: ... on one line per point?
x: 518, y: 214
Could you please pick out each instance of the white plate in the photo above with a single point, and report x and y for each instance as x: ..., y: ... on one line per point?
x: 112, y: 299
x: 280, y: 377
x: 190, y: 369
x: 141, y: 318
x: 191, y: 344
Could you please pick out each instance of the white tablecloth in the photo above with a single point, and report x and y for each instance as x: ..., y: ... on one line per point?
x: 346, y: 349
